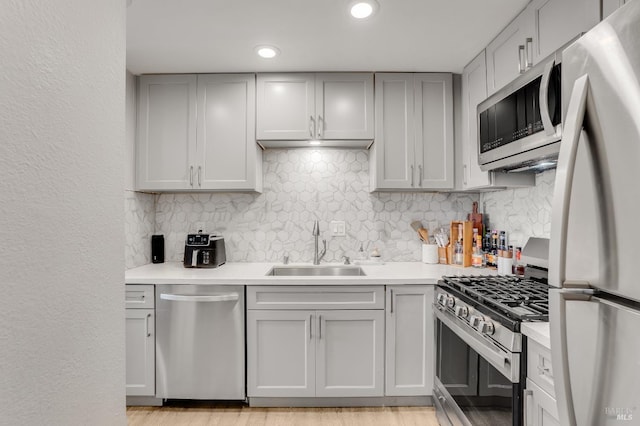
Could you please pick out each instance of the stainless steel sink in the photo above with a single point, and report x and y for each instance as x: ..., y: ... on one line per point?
x: 316, y: 271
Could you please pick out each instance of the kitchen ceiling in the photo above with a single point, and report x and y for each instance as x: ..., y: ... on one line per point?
x: 197, y: 36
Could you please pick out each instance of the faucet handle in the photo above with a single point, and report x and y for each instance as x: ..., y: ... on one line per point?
x: 285, y: 259
x: 347, y: 261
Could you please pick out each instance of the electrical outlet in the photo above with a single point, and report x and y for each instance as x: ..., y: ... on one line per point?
x: 338, y: 228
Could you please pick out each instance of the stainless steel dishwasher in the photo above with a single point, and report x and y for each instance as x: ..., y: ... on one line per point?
x: 200, y: 342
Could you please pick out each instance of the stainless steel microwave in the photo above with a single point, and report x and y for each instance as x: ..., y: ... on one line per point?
x: 520, y: 126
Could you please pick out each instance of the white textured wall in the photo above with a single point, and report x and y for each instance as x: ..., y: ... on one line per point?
x: 300, y: 186
x: 522, y: 212
x: 62, y: 92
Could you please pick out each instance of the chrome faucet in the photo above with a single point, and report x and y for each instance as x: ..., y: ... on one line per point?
x: 317, y: 257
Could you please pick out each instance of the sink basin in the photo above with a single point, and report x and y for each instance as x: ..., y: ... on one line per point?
x: 316, y: 271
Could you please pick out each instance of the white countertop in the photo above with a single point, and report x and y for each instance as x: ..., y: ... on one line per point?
x: 255, y: 274
x: 538, y: 331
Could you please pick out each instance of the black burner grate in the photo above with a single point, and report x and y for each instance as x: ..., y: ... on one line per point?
x: 519, y: 298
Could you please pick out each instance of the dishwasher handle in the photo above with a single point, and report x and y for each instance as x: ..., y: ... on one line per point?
x: 200, y: 298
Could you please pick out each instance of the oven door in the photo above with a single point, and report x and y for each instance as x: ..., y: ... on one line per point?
x: 477, y: 382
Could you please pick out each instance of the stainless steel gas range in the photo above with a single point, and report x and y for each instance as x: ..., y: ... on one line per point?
x: 480, y: 352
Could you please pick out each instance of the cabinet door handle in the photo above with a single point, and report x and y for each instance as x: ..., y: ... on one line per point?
x: 312, y: 125
x: 391, y: 300
x: 464, y: 174
x: 319, y: 326
x: 199, y: 175
x: 412, y: 175
x: 521, y: 59
x: 146, y: 325
x: 310, y: 326
x: 191, y: 175
x: 525, y: 405
x: 529, y: 53
x: 420, y: 175
x: 320, y: 126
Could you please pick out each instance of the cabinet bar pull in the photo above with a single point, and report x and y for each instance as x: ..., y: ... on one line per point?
x: 420, y: 175
x: 312, y: 125
x: 146, y: 324
x: 320, y: 126
x: 191, y: 175
x: 464, y: 174
x: 310, y: 326
x: 412, y: 175
x: 521, y: 59
x: 199, y: 175
x: 319, y: 326
x: 391, y: 301
x: 525, y: 405
x: 529, y: 53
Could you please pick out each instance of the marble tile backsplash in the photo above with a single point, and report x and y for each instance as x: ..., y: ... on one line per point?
x: 140, y: 218
x: 522, y: 212
x: 300, y: 186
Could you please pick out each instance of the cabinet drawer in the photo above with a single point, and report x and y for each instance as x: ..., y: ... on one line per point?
x: 315, y: 297
x: 139, y: 296
x: 539, y: 368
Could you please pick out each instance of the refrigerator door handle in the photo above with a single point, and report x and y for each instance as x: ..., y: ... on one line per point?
x: 564, y: 180
x: 544, y: 99
x: 559, y: 356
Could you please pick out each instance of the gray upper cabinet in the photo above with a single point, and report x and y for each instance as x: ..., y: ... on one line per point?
x: 413, y: 149
x: 197, y: 132
x: 166, y: 132
x: 506, y: 54
x: 228, y: 155
x: 303, y: 106
x: 610, y: 6
x: 541, y: 28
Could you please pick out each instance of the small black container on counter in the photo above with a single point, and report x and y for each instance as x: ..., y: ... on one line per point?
x: 157, y: 248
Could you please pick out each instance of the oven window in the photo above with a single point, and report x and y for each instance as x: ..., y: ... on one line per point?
x: 483, y: 394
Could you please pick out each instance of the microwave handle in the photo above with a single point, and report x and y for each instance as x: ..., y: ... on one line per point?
x: 544, y: 97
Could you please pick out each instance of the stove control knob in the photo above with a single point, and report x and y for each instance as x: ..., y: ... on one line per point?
x: 486, y: 327
x: 451, y: 302
x: 442, y: 298
x: 476, y: 320
x: 462, y: 311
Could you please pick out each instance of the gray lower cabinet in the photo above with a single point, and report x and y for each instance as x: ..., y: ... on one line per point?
x: 409, y: 341
x: 140, y: 341
x: 297, y: 352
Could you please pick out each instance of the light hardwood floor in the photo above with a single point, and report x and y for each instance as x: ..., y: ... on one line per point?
x: 246, y: 416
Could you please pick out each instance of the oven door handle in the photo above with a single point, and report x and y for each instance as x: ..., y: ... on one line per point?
x: 506, y: 363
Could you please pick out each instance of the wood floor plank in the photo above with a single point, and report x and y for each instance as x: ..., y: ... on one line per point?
x: 248, y: 416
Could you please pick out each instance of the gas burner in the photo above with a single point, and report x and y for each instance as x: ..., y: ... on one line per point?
x: 518, y: 298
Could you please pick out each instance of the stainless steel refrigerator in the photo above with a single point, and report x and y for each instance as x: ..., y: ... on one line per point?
x: 595, y: 234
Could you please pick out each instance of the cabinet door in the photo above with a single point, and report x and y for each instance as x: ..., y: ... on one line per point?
x: 350, y: 353
x: 506, y: 53
x: 285, y: 107
x: 166, y: 132
x: 392, y: 154
x: 226, y: 146
x: 541, y: 408
x: 344, y: 106
x: 474, y: 91
x: 559, y: 21
x: 281, y: 353
x: 140, y: 352
x: 610, y: 6
x: 409, y: 341
x: 433, y: 112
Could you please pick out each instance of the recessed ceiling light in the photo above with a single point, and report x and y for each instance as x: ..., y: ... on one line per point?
x: 363, y: 9
x: 267, y: 52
